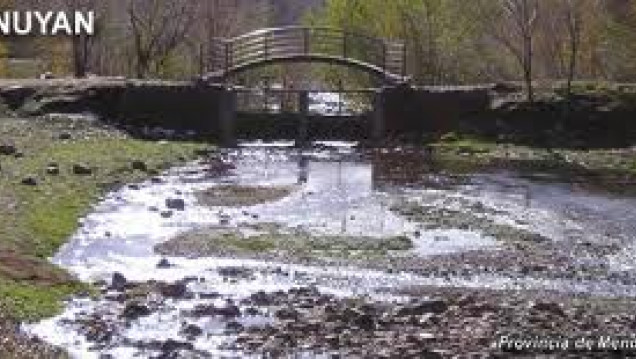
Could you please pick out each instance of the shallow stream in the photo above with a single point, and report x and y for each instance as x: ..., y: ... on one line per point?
x: 337, y: 190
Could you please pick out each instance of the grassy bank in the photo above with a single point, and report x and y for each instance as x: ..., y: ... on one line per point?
x: 604, y: 167
x: 52, y: 171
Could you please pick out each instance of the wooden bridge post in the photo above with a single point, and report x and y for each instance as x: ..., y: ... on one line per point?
x: 228, y: 54
x: 306, y: 40
x: 227, y: 117
x: 378, y: 125
x: 303, y: 119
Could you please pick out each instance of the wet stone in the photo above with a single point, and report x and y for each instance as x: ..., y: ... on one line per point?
x: 234, y: 327
x: 176, y: 204
x: 549, y: 307
x: 423, y: 307
x: 365, y: 322
x: 82, y: 170
x: 288, y: 313
x: 262, y: 299
x: 118, y: 282
x: 171, y: 346
x: 228, y: 311
x: 65, y: 136
x: 177, y: 290
x: 236, y: 272
x: 30, y: 181
x: 191, y: 331
x: 139, y: 165
x: 211, y: 295
x: 134, y: 311
x: 164, y: 264
x: 53, y: 169
x: 8, y: 150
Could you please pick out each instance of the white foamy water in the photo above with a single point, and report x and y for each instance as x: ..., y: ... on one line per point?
x: 334, y: 193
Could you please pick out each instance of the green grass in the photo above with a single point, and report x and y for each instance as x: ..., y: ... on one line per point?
x: 217, y: 241
x: 470, y: 145
x: 39, y: 219
x: 28, y: 302
x: 50, y: 211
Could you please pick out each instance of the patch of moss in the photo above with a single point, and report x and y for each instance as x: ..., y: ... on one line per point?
x: 463, y: 145
x: 217, y: 241
x: 471, y: 219
x: 240, y: 196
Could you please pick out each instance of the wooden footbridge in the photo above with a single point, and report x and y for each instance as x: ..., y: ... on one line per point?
x: 382, y: 58
x: 396, y: 107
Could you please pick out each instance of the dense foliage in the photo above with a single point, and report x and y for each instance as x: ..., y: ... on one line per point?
x: 449, y: 41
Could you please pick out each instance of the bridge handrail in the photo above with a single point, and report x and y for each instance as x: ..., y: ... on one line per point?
x: 321, y: 43
x: 297, y: 27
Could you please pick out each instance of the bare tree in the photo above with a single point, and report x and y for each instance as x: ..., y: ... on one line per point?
x: 516, y: 32
x: 81, y: 45
x: 573, y: 20
x: 158, y: 27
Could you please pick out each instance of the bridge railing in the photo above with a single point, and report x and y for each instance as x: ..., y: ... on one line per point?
x: 324, y: 42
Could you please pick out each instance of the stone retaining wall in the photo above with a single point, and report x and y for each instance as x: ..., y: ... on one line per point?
x: 418, y: 110
x: 170, y: 105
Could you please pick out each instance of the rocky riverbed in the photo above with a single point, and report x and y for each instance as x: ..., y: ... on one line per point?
x: 269, y: 251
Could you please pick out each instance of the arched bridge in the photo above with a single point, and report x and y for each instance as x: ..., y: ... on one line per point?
x: 382, y: 58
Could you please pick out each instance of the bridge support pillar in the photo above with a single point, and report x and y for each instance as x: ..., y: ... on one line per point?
x: 378, y: 125
x: 227, y: 117
x: 303, y: 119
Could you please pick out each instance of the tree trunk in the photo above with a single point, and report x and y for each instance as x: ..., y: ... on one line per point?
x: 527, y: 71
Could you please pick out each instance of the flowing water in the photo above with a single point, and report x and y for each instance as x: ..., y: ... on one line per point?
x: 337, y: 190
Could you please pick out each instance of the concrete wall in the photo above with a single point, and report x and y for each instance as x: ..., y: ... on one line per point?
x: 171, y: 105
x: 181, y: 107
x: 418, y: 110
x: 209, y: 109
